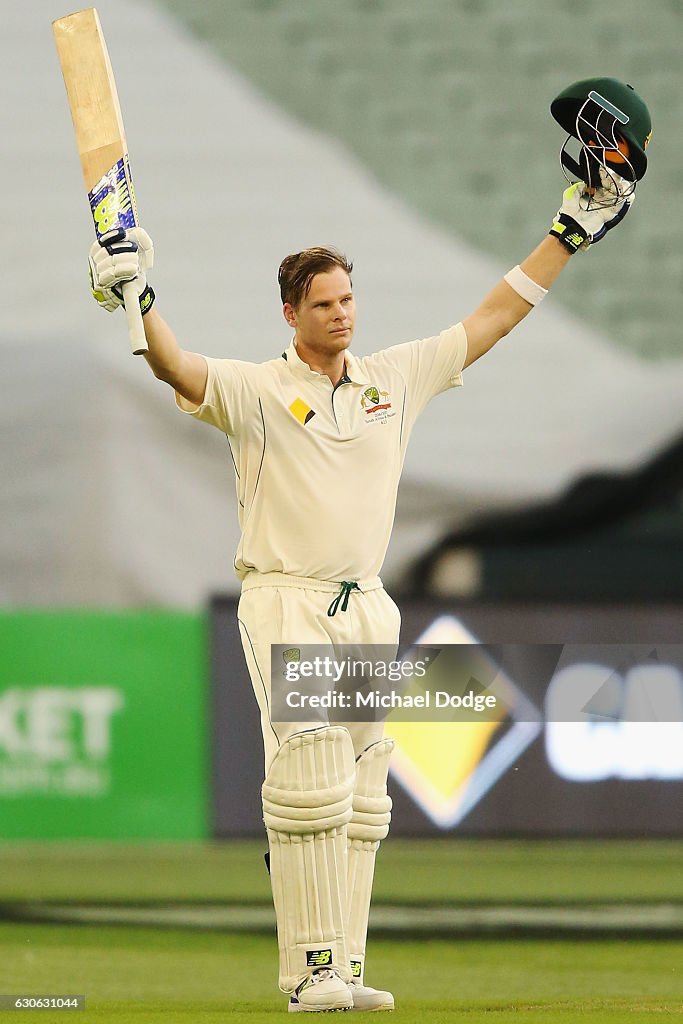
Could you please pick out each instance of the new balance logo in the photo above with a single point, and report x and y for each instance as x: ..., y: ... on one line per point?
x: 318, y: 957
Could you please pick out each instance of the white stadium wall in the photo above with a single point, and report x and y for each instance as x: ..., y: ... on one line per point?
x: 113, y: 499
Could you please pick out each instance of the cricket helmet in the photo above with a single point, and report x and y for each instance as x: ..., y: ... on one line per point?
x: 612, y: 124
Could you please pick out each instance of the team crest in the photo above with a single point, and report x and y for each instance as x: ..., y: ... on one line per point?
x: 372, y: 397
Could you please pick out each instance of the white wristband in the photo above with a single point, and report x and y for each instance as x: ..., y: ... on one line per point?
x: 524, y: 286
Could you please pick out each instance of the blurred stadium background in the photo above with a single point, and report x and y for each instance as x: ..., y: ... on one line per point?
x: 542, y: 875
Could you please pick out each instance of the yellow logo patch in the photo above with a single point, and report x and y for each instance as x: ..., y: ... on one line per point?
x: 302, y: 412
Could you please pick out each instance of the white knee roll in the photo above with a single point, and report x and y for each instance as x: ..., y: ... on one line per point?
x: 371, y: 803
x: 310, y: 783
x: 307, y: 802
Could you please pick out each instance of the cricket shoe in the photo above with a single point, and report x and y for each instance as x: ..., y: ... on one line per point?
x: 321, y: 992
x: 366, y: 998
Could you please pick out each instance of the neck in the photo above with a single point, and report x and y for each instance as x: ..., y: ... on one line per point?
x: 333, y: 365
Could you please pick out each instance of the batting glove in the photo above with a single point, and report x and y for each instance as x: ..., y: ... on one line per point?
x: 118, y: 257
x: 585, y: 218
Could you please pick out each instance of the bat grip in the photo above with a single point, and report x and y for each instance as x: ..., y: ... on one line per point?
x: 136, y: 330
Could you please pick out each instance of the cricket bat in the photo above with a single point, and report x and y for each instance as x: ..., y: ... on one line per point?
x: 100, y: 138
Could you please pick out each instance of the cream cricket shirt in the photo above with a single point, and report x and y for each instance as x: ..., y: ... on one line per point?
x: 317, y: 468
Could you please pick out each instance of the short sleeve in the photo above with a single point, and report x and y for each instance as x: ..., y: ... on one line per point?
x: 224, y: 398
x: 428, y: 366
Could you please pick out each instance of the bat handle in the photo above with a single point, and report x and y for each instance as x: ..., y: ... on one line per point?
x: 136, y: 330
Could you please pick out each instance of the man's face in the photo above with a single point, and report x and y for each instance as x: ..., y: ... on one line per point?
x: 325, y: 319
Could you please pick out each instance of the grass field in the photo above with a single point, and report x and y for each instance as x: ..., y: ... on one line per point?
x: 208, y: 972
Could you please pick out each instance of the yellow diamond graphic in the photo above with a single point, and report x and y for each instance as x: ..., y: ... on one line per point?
x: 447, y: 767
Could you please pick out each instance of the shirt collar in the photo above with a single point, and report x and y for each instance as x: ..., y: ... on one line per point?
x: 354, y: 370
x: 296, y: 364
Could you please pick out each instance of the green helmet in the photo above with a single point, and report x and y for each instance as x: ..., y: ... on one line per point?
x: 599, y: 112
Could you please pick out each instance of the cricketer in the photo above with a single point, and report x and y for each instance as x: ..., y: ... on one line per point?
x: 307, y: 430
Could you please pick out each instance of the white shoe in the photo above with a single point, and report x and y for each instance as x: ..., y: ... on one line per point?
x: 366, y: 998
x: 321, y: 992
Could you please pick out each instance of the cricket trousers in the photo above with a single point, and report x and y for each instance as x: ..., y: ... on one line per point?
x: 293, y: 610
x: 325, y: 802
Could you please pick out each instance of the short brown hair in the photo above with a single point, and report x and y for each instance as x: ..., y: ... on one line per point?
x: 298, y: 270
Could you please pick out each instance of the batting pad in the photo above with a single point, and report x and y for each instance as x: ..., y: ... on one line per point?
x: 307, y: 804
x: 369, y: 824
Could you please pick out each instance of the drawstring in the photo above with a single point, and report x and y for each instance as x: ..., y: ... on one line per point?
x: 343, y: 597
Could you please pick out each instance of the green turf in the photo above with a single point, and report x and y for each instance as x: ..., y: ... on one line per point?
x: 129, y: 974
x: 408, y: 871
x: 175, y: 975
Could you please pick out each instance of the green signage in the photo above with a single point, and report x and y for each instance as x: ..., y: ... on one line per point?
x: 103, y: 730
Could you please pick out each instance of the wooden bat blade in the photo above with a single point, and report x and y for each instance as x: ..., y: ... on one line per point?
x: 91, y: 90
x: 100, y: 136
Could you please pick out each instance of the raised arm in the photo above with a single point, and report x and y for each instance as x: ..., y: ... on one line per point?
x: 503, y: 307
x: 580, y: 222
x: 186, y: 372
x: 127, y: 256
